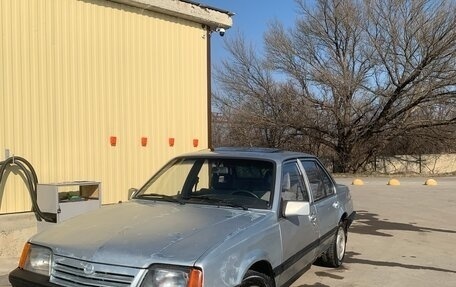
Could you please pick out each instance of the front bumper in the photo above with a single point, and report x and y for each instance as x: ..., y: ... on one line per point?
x: 23, y: 278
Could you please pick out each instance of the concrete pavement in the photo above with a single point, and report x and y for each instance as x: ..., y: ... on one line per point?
x: 404, y: 236
x: 6, y: 265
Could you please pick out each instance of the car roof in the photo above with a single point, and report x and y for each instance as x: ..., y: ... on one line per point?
x: 250, y: 153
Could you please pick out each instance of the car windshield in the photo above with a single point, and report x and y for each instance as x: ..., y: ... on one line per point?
x: 238, y: 183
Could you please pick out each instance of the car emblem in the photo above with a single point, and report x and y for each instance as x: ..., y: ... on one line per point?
x: 89, y: 269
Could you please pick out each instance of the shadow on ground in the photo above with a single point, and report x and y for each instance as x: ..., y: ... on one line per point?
x: 351, y: 258
x: 369, y: 223
x: 314, y: 285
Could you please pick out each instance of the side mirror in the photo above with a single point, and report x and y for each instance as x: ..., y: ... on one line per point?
x: 296, y: 208
x: 131, y: 192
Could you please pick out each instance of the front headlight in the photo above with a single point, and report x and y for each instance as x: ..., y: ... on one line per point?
x: 36, y: 259
x: 171, y: 276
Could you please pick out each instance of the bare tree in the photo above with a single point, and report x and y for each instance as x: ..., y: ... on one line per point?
x: 351, y: 78
x: 254, y: 105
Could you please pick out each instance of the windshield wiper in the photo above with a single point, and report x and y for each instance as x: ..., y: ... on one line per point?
x: 161, y: 197
x: 216, y: 200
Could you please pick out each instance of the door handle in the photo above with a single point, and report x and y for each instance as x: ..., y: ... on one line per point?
x: 313, y: 218
x: 336, y: 204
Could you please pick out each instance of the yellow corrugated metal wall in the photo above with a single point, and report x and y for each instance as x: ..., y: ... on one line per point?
x: 74, y: 73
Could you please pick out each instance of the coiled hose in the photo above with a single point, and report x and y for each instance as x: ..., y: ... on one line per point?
x: 31, y: 180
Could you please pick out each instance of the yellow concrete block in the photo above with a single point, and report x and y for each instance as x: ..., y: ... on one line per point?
x: 358, y: 181
x: 430, y: 181
x: 394, y: 182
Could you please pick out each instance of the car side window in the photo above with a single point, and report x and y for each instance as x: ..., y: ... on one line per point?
x: 320, y: 184
x: 328, y: 183
x: 292, y: 186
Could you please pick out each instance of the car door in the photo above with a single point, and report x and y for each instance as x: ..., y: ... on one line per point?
x: 325, y: 201
x: 299, y: 233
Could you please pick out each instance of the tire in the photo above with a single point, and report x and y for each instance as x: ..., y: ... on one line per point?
x: 334, y: 255
x: 256, y: 279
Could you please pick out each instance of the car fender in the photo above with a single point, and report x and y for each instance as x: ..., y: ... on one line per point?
x: 226, y: 264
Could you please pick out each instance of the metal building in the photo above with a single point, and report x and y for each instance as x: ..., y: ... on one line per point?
x: 102, y: 90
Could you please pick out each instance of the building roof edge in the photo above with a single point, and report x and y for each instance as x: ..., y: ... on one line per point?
x: 185, y: 9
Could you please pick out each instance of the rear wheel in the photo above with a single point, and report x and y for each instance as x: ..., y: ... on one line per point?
x: 256, y: 279
x: 335, y: 254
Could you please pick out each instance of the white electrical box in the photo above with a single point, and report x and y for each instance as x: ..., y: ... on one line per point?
x: 64, y: 200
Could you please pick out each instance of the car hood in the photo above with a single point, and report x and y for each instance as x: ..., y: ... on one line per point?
x: 140, y: 233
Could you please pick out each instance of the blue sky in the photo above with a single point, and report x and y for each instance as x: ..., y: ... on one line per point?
x: 251, y: 20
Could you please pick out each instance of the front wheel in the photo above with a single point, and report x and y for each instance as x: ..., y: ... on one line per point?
x: 256, y: 279
x: 335, y: 254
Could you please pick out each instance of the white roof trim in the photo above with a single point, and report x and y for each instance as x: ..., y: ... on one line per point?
x: 187, y: 10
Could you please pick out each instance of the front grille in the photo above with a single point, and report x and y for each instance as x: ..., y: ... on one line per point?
x: 70, y: 272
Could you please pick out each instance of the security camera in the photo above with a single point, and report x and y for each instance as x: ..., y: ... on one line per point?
x: 221, y: 31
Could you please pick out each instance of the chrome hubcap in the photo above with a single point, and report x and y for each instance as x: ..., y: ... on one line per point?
x: 340, y: 243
